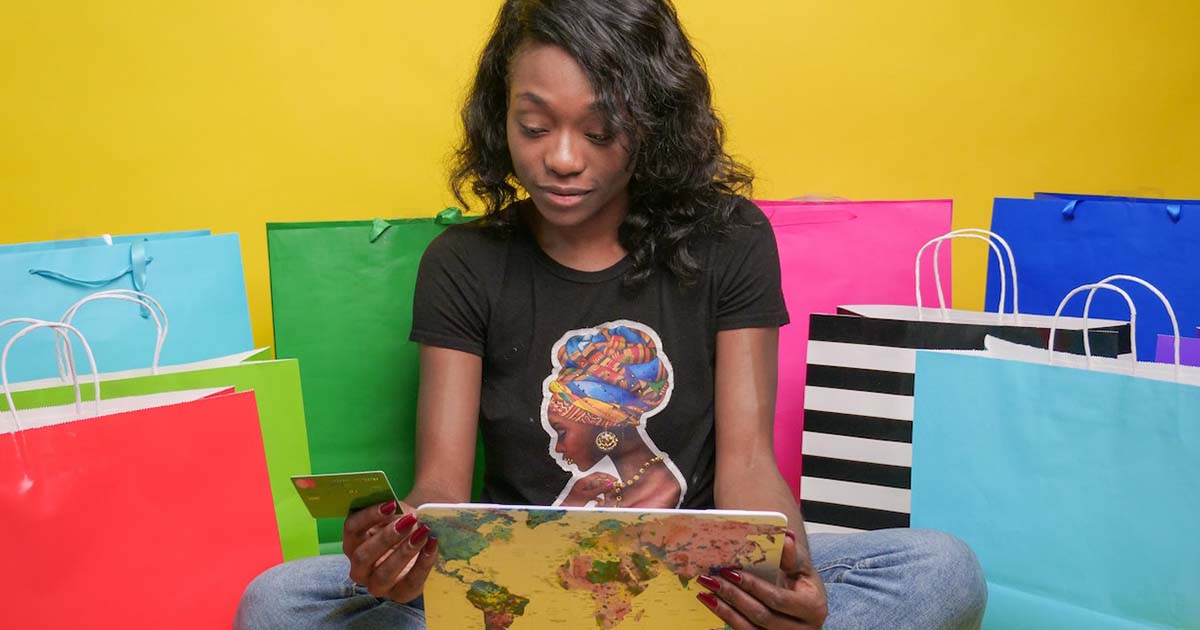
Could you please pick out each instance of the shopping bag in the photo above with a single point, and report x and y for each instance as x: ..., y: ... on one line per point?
x: 1078, y: 487
x: 1189, y: 350
x: 833, y: 253
x: 858, y: 416
x: 1081, y: 197
x: 12, y: 248
x: 277, y: 384
x: 358, y: 369
x: 1063, y: 243
x: 164, y: 499
x: 276, y: 387
x: 248, y: 356
x: 198, y: 279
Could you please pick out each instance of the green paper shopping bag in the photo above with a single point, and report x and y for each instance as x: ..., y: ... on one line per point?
x: 342, y: 295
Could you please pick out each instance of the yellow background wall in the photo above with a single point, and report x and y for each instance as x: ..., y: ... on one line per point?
x: 140, y: 115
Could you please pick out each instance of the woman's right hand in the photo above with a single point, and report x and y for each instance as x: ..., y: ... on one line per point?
x: 389, y: 554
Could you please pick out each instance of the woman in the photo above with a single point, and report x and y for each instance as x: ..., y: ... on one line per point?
x: 610, y: 203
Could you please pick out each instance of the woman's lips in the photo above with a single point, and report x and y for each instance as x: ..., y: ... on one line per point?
x: 565, y: 197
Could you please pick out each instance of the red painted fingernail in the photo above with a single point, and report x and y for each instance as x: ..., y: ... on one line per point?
x: 430, y: 545
x: 418, y: 537
x: 709, y: 583
x: 388, y: 509
x: 404, y: 523
x: 731, y: 575
x: 790, y: 534
x: 708, y: 599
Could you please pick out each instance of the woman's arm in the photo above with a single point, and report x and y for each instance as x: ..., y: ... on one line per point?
x: 447, y: 420
x: 392, y: 553
x: 747, y: 478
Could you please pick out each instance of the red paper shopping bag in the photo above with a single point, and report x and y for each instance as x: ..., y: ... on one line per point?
x: 155, y: 513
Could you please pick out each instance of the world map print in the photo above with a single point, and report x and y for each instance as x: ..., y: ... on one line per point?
x: 505, y: 568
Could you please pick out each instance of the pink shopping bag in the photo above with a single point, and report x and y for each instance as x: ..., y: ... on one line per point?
x: 832, y: 253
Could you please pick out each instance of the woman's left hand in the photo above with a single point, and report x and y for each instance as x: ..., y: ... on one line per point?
x: 745, y: 601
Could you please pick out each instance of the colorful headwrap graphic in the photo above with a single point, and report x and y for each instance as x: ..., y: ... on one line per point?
x: 609, y: 378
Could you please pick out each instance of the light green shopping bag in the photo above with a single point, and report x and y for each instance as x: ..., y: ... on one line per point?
x: 342, y: 296
x: 276, y: 387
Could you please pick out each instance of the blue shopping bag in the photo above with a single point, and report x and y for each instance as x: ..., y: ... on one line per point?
x: 1079, y: 490
x: 1064, y: 243
x: 1082, y: 197
x: 198, y: 281
x: 15, y: 248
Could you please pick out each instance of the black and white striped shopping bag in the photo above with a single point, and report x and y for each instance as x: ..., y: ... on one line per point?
x: 858, y: 400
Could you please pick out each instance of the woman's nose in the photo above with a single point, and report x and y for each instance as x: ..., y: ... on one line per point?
x: 564, y: 157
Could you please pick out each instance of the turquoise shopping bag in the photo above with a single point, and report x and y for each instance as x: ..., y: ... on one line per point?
x: 1078, y: 489
x: 198, y: 280
x: 90, y: 241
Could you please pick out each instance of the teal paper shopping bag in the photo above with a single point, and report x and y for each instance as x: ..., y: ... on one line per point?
x: 1078, y: 489
x: 197, y: 279
x: 91, y: 241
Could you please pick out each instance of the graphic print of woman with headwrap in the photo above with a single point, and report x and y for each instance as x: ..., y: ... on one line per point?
x: 606, y: 382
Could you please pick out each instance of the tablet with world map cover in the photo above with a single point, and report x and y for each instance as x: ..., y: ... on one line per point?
x: 507, y: 567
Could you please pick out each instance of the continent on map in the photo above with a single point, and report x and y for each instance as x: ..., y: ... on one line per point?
x: 463, y: 538
x: 615, y: 561
x: 541, y: 517
x: 500, y: 607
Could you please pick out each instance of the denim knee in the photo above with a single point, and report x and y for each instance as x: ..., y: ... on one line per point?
x: 284, y: 590
x: 956, y: 574
x: 263, y: 602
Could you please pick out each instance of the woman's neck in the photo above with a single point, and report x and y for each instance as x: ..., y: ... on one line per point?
x: 590, y: 246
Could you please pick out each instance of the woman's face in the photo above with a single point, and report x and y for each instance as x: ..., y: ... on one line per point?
x: 574, y: 167
x: 574, y: 441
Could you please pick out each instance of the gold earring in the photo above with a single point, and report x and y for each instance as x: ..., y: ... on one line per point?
x: 606, y: 441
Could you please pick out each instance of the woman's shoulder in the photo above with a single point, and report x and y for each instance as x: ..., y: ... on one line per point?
x: 746, y: 213
x: 745, y: 226
x: 477, y: 241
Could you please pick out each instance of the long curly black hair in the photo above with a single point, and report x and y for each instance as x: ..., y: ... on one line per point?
x: 650, y: 83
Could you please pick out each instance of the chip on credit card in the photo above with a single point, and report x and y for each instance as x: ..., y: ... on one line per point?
x: 337, y: 494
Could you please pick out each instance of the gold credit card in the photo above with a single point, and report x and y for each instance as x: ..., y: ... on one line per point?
x: 338, y: 494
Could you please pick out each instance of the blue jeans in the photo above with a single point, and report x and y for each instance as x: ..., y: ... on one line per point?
x: 895, y: 579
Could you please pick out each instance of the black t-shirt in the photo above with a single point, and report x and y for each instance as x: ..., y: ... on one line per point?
x: 593, y: 394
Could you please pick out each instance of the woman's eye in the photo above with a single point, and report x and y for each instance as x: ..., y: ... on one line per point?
x: 600, y: 138
x: 532, y: 132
